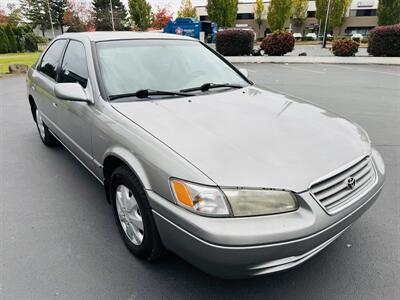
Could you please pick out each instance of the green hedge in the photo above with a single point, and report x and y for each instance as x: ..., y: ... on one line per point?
x: 4, y: 46
x: 12, y: 41
x: 19, y: 39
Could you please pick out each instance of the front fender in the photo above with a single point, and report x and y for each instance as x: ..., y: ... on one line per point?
x: 131, y: 161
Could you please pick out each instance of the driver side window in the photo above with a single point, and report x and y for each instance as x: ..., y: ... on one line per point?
x: 74, y: 65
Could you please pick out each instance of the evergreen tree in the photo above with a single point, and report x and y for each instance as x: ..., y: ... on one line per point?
x: 102, y: 18
x: 57, y: 8
x: 3, y: 41
x: 12, y: 42
x: 278, y: 12
x: 37, y: 12
x: 186, y: 10
x: 20, y: 38
x: 388, y: 12
x: 141, y: 15
x: 223, y: 12
x: 14, y: 17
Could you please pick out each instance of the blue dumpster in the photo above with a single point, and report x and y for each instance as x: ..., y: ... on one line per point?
x: 191, y: 27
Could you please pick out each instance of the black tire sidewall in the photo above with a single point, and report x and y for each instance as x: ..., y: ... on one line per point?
x: 122, y: 175
x: 49, y: 139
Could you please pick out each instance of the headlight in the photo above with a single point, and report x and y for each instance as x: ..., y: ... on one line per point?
x: 260, y: 202
x: 199, y: 198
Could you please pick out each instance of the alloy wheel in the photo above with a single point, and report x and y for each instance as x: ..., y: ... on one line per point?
x: 129, y: 214
x: 40, y: 124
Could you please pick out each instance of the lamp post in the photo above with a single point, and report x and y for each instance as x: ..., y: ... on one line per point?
x: 112, y: 16
x: 326, y: 24
x: 51, y: 19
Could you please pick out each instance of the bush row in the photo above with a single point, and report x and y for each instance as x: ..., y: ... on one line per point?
x: 384, y: 41
x: 18, y: 39
x: 235, y: 42
x: 278, y: 43
x: 344, y: 47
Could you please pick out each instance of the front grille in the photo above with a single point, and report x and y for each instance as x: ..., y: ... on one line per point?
x: 335, y: 194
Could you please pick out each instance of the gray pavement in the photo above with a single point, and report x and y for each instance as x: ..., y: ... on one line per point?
x: 58, y: 239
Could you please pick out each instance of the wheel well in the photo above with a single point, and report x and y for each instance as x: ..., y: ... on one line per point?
x: 110, y: 164
x: 33, y: 107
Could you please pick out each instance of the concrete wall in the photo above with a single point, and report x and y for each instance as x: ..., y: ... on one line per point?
x: 48, y: 33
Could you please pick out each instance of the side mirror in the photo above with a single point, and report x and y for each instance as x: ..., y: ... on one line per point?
x: 244, y: 72
x: 71, y: 92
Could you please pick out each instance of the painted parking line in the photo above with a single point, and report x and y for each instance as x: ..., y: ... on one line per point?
x: 302, y: 69
x: 366, y: 70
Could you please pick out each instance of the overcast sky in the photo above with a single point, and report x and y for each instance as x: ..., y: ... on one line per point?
x: 173, y: 4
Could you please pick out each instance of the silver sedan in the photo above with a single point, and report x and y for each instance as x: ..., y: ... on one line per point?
x: 195, y: 158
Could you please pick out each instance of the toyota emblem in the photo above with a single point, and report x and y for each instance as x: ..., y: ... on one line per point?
x: 350, y: 182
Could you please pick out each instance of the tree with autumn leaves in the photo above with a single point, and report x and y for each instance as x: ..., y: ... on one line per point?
x: 78, y: 16
x: 161, y: 17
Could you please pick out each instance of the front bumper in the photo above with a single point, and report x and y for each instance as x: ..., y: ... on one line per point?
x: 252, y: 246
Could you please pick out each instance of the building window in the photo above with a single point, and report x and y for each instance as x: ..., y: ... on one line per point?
x: 246, y: 16
x: 203, y: 18
x: 311, y: 14
x: 361, y: 30
x: 362, y: 12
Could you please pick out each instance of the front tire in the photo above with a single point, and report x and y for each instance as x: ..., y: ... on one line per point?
x: 133, y: 215
x: 45, y: 135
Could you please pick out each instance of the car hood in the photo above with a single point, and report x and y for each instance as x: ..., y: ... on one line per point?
x: 252, y: 137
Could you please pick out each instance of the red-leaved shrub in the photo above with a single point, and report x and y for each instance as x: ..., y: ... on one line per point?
x: 235, y: 42
x: 344, y: 47
x: 278, y: 43
x: 384, y: 41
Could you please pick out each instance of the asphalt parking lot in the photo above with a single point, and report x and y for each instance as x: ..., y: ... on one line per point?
x: 58, y: 239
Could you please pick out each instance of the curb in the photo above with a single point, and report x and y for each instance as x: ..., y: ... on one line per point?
x: 358, y: 60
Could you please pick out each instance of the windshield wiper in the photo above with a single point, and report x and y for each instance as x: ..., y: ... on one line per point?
x: 206, y: 86
x: 148, y: 92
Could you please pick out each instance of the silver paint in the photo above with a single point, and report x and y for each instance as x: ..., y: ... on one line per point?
x: 249, y: 137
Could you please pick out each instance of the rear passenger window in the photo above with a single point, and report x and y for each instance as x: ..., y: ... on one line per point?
x: 51, y: 59
x: 74, y: 66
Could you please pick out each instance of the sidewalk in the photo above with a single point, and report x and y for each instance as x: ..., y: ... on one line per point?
x: 364, y: 60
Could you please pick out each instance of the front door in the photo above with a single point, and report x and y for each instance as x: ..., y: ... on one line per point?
x: 74, y: 118
x: 43, y: 81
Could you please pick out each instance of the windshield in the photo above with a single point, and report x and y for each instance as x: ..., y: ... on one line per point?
x: 168, y: 65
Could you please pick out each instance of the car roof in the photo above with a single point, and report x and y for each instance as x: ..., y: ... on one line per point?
x: 122, y: 35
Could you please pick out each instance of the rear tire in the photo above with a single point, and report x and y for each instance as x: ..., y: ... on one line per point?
x: 133, y: 215
x: 44, y: 133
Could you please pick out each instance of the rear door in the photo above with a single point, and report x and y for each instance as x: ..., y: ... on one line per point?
x: 43, y: 81
x: 74, y: 118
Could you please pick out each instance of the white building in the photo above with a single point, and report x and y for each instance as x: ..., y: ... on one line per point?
x: 360, y: 18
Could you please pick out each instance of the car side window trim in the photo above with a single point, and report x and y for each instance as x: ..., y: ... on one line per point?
x: 39, y: 63
x: 63, y: 57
